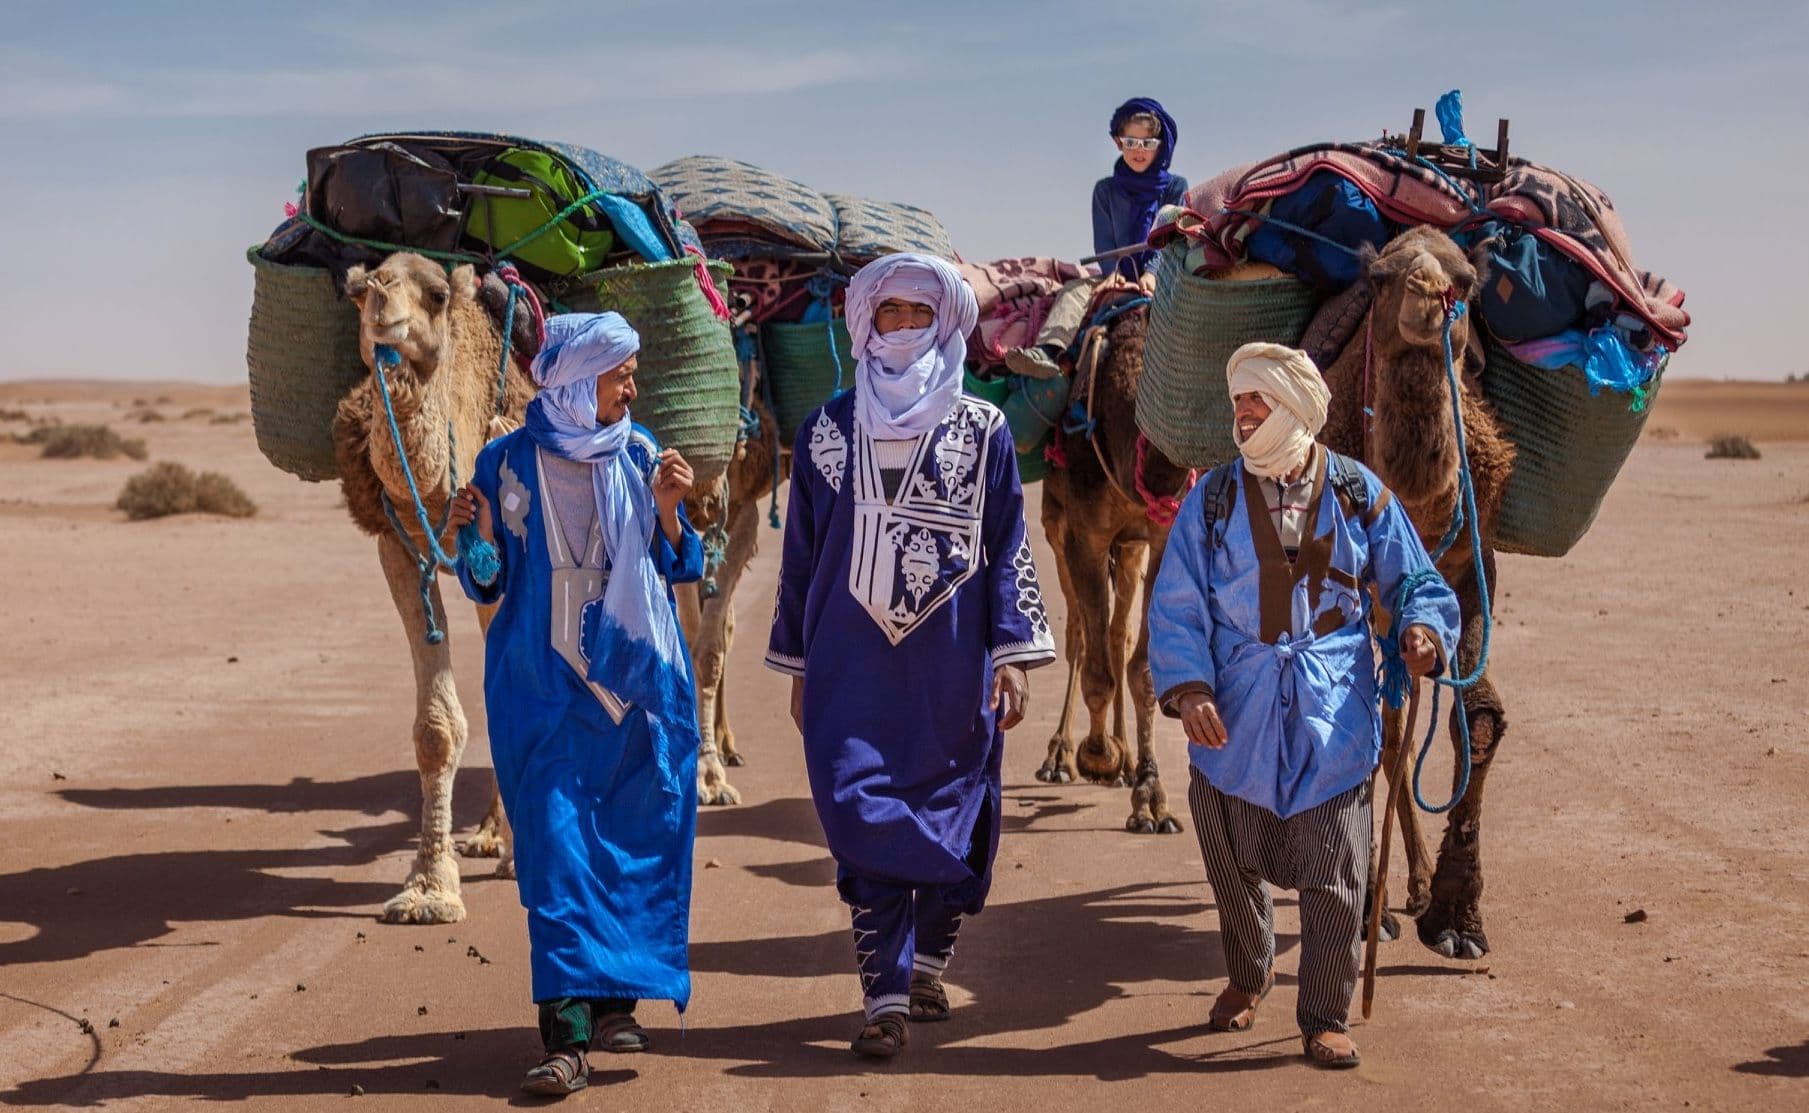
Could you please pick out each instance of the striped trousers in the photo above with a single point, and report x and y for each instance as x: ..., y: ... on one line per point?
x: 1324, y: 854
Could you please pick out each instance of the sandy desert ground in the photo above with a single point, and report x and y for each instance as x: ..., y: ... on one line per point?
x: 206, y: 790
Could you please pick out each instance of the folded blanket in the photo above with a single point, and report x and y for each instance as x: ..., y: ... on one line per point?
x: 1572, y: 215
x: 1014, y: 296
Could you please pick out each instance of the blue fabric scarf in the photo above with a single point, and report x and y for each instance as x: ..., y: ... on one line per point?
x: 1147, y: 188
x: 636, y: 650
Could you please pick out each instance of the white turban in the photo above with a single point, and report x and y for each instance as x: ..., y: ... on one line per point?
x: 1297, y: 398
x: 907, y: 381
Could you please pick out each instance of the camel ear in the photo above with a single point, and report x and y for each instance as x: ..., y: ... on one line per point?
x: 464, y: 281
x: 1481, y: 264
x: 357, y: 284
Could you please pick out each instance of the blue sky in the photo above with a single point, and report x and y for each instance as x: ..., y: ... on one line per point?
x: 144, y: 150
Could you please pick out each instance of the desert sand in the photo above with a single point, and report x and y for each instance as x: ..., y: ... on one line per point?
x: 207, y: 789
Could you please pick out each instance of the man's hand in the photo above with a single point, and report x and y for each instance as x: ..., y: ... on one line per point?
x: 1010, y: 693
x: 1419, y: 650
x: 671, y: 483
x: 797, y: 702
x: 470, y: 505
x: 1200, y: 718
x: 1147, y: 283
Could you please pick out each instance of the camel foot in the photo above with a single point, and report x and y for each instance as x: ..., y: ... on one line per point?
x: 725, y: 742
x: 734, y: 760
x: 1143, y: 824
x: 1101, y: 760
x: 485, y: 842
x: 1056, y: 771
x: 713, y: 787
x: 505, y: 869
x: 1390, y: 928
x: 420, y: 903
x: 1443, y: 930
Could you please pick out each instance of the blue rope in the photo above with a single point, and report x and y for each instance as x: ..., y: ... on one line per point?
x: 1296, y: 229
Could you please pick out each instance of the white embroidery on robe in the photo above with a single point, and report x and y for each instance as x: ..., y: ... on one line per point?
x: 576, y: 598
x: 1030, y: 594
x: 828, y: 450
x: 912, y: 555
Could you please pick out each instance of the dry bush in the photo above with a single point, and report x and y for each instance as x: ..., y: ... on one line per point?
x: 145, y: 416
x: 15, y: 415
x: 229, y: 419
x: 170, y: 488
x: 1662, y: 433
x: 1732, y: 446
x: 197, y: 414
x: 72, y: 442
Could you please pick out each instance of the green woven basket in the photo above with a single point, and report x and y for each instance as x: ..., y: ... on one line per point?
x: 689, y: 379
x: 1194, y: 326
x: 1570, y: 447
x: 301, y: 354
x: 803, y: 369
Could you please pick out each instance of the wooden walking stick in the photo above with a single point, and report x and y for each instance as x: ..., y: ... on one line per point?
x: 1397, y: 777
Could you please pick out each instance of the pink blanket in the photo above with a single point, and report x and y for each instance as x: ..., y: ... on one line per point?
x: 1566, y: 212
x: 1014, y: 297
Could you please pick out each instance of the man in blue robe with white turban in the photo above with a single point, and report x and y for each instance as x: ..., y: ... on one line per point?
x: 588, y: 692
x: 1260, y: 644
x: 908, y: 611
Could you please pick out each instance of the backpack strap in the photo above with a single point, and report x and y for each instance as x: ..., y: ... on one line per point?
x: 1346, y: 478
x: 1219, y: 499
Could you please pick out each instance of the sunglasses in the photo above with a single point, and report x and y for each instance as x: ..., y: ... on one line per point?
x: 1132, y: 143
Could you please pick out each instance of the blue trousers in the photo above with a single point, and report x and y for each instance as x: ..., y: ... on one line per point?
x: 899, y: 929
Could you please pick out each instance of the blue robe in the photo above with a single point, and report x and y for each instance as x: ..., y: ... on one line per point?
x: 896, y: 615
x: 1286, y: 650
x: 602, y: 839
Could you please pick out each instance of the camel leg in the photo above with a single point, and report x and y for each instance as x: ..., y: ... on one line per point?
x: 1100, y: 757
x: 492, y: 839
x: 1149, y: 800
x: 714, y: 626
x: 431, y: 893
x: 1058, y: 766
x: 1452, y: 926
x: 1127, y: 567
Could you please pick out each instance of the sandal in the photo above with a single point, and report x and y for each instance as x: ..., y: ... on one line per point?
x: 559, y: 1074
x: 1235, y: 1010
x: 882, y: 1037
x: 1334, y: 1050
x: 929, y: 1000
x: 620, y: 1034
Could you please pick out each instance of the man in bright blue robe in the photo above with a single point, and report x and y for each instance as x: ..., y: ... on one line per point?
x: 588, y: 692
x: 1260, y: 643
x: 908, y: 609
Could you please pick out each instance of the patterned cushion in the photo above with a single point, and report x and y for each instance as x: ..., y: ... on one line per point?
x: 707, y: 188
x: 870, y: 229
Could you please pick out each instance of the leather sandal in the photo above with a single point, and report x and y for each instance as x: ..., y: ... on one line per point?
x: 929, y: 1000
x: 1235, y: 1010
x: 1333, y: 1050
x: 620, y: 1034
x: 882, y: 1037
x: 560, y: 1073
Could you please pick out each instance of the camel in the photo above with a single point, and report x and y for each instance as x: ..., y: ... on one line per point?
x: 1395, y: 365
x: 444, y: 394
x: 708, y: 616
x: 1108, y: 541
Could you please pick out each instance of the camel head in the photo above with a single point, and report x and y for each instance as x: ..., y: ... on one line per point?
x: 1415, y: 279
x: 407, y: 304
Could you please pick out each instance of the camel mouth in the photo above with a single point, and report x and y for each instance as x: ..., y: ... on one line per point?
x: 389, y: 334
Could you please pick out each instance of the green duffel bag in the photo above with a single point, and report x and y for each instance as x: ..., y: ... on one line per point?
x: 574, y: 245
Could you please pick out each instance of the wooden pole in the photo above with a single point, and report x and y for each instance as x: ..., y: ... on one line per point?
x: 1396, y: 778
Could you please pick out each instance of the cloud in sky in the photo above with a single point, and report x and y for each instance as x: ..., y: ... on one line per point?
x: 163, y: 139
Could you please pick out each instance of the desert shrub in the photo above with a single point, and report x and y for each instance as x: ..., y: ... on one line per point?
x: 145, y: 416
x: 1732, y: 446
x: 199, y: 413
x: 229, y: 419
x: 14, y: 415
x: 1661, y: 432
x: 72, y: 442
x: 168, y: 488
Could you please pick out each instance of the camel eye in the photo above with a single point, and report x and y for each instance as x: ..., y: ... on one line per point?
x: 436, y: 298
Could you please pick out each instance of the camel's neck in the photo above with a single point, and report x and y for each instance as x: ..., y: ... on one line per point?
x: 421, y: 413
x: 1413, y: 443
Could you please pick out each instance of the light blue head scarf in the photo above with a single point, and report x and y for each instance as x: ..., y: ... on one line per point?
x: 636, y: 649
x: 907, y: 381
